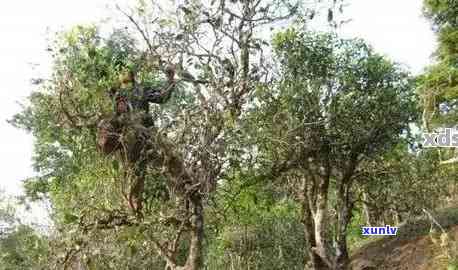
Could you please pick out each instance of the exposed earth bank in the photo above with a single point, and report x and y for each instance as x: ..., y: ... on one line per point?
x: 413, y: 248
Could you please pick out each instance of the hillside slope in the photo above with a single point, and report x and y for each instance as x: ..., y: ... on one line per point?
x: 414, y: 248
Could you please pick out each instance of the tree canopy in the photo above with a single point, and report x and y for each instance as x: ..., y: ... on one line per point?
x: 228, y: 135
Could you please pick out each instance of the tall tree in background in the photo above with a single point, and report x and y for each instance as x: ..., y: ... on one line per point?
x: 336, y: 105
x: 439, y: 84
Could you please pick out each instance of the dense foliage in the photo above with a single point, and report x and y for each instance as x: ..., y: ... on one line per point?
x: 275, y: 147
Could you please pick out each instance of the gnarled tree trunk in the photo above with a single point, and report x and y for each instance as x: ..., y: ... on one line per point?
x: 323, y: 255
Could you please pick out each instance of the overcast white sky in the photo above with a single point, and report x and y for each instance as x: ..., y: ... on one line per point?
x: 393, y: 27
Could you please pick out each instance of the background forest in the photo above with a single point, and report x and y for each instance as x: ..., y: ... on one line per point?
x: 228, y: 135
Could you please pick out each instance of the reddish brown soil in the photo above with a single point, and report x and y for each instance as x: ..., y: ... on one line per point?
x: 402, y: 253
